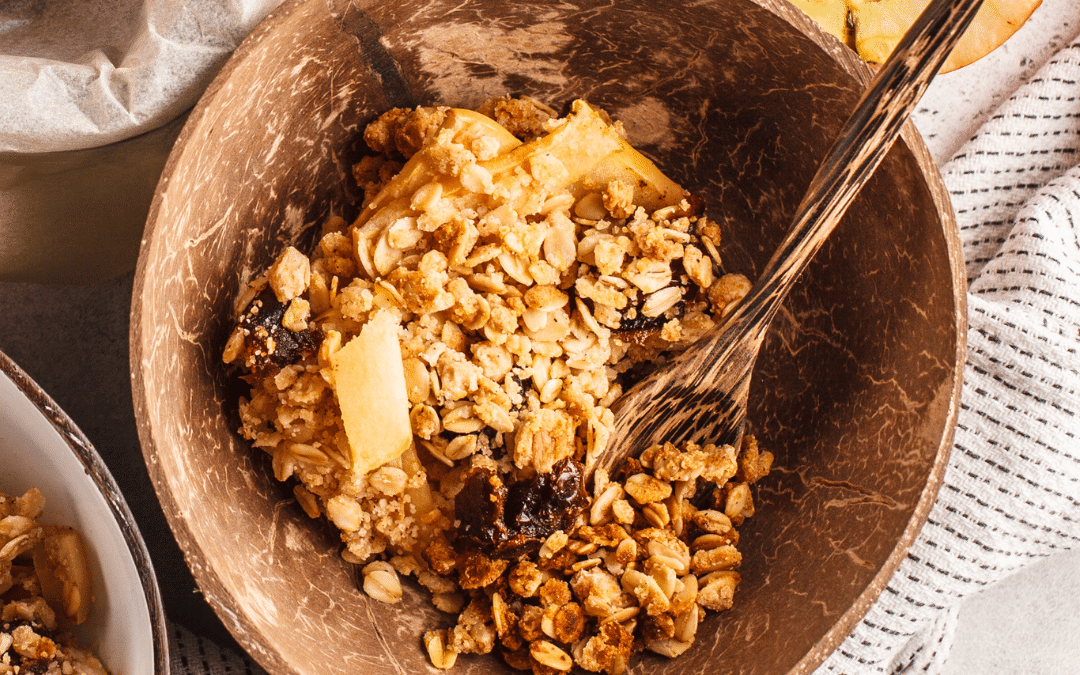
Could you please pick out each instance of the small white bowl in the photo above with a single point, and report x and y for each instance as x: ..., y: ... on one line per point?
x: 41, y: 447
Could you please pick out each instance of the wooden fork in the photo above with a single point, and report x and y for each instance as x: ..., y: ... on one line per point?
x: 701, y: 394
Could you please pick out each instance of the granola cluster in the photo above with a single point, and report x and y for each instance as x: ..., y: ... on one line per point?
x: 35, y: 563
x: 655, y: 551
x: 530, y: 266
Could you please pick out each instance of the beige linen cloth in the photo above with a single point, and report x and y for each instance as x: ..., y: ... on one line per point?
x: 1011, y: 489
x: 81, y: 74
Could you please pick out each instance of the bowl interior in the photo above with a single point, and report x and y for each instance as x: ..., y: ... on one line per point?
x: 855, y: 392
x: 42, y: 448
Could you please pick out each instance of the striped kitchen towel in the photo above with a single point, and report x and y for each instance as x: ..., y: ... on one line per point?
x: 1010, y: 492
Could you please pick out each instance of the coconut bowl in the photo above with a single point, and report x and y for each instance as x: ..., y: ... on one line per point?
x: 855, y: 393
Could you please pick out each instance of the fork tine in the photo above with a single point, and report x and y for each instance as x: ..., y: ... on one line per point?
x: 707, y: 407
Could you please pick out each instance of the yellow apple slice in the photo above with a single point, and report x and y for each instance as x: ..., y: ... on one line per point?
x: 419, y: 170
x: 652, y: 189
x: 588, y: 150
x: 583, y: 152
x: 879, y: 25
x: 369, y: 382
x: 829, y: 14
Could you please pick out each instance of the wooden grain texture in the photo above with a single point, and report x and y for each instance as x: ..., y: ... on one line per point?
x: 709, y: 384
x: 855, y: 391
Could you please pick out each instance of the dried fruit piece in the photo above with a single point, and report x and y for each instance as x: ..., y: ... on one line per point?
x: 479, y: 508
x: 549, y: 502
x: 506, y: 520
x: 266, y: 341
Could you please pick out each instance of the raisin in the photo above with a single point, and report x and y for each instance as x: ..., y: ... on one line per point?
x: 506, y: 521
x: 548, y: 502
x: 268, y: 342
x: 479, y: 509
x: 640, y: 323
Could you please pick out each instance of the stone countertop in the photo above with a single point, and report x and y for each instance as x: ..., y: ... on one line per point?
x: 73, y: 340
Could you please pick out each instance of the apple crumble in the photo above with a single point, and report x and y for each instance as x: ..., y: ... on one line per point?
x: 44, y: 586
x: 438, y: 377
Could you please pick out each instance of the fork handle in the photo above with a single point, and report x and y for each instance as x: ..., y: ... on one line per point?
x: 863, y: 142
x: 714, y: 374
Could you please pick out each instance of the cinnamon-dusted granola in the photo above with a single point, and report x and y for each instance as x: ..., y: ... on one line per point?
x: 614, y: 583
x: 438, y: 374
x: 44, y: 586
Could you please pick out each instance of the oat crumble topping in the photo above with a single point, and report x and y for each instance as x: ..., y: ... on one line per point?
x: 511, y: 271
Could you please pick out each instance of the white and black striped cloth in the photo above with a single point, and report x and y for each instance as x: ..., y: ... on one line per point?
x: 1011, y: 489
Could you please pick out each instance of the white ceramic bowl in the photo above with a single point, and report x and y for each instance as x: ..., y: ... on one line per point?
x: 41, y: 447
